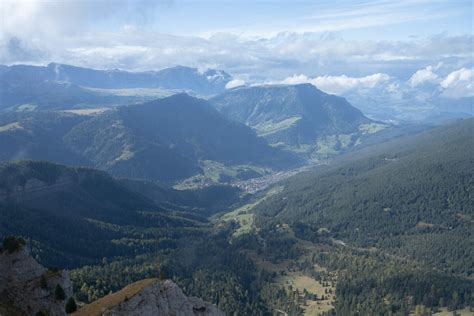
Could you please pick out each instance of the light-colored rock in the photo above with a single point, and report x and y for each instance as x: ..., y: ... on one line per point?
x: 20, y: 285
x: 18, y: 268
x: 150, y: 297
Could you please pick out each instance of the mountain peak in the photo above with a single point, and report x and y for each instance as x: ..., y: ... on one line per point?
x: 182, y: 96
x: 295, y: 115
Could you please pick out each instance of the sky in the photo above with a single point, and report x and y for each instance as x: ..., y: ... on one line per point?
x: 337, y: 45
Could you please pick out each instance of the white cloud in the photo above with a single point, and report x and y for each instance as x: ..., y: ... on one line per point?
x: 135, y: 47
x: 340, y: 84
x: 423, y: 76
x: 453, y: 78
x: 235, y: 83
x: 459, y: 83
x: 296, y: 79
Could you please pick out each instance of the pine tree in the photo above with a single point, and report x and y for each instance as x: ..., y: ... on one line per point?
x: 59, y: 294
x: 43, y: 283
x: 71, y: 306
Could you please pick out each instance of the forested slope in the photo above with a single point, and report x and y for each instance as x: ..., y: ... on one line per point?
x: 404, y: 196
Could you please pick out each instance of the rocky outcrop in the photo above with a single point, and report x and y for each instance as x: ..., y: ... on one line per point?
x: 149, y: 297
x: 28, y: 288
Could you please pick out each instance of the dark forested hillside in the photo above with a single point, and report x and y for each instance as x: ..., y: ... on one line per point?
x: 166, y: 139
x: 38, y: 136
x: 419, y: 187
x: 75, y: 216
x: 207, y: 200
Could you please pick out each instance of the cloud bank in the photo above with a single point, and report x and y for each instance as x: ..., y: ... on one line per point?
x: 339, y: 84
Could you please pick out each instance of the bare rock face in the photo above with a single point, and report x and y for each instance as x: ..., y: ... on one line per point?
x: 150, y: 297
x: 28, y: 288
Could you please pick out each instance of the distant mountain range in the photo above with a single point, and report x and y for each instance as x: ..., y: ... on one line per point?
x: 176, y: 137
x: 297, y: 117
x: 63, y: 86
x: 425, y: 103
x: 168, y: 139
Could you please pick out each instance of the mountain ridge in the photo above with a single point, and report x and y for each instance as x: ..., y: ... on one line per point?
x: 297, y: 117
x: 60, y: 86
x: 69, y: 211
x: 168, y: 140
x: 179, y: 131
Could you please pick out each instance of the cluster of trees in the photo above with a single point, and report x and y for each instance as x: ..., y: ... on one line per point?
x: 12, y: 244
x: 203, y: 265
x: 279, y: 299
x: 370, y: 283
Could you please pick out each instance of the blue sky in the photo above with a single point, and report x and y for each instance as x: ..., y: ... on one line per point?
x: 369, y: 19
x: 375, y: 19
x: 353, y: 19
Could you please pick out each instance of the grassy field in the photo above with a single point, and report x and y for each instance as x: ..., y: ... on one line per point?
x: 303, y: 283
x: 243, y: 216
x: 99, y: 306
x: 151, y: 93
x: 216, y: 172
x: 268, y: 127
x: 86, y: 111
x: 333, y: 144
x: 27, y: 107
x: 371, y: 128
x: 10, y: 127
x: 299, y: 281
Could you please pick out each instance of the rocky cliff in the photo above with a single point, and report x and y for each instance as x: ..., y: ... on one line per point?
x: 149, y: 297
x: 27, y: 288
